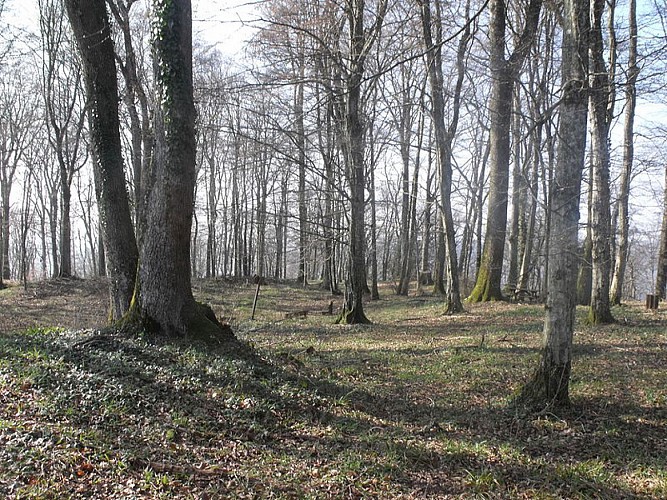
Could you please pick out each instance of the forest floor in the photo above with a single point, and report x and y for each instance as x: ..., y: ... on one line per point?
x: 414, y: 406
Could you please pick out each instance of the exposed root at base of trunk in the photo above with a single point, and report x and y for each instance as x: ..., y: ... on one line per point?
x: 198, y: 323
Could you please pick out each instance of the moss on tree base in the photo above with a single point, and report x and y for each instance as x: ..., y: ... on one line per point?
x: 484, y: 290
x: 596, y: 317
x: 198, y: 323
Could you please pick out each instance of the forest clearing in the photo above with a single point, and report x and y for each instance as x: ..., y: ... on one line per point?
x: 416, y: 405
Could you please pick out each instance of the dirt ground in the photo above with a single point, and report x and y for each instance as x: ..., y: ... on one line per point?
x: 68, y: 303
x: 84, y: 303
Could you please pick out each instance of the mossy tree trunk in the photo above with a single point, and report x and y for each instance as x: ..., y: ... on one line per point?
x: 163, y: 299
x: 91, y: 28
x: 549, y: 385
x: 504, y: 72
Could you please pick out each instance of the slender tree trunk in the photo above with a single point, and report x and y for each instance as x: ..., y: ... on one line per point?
x: 353, y: 145
x: 375, y: 292
x: 623, y: 220
x: 280, y: 229
x: 526, y: 268
x: 4, y: 237
x: 585, y: 274
x: 301, y: 145
x: 65, y: 225
x: 101, y: 252
x: 137, y: 106
x: 409, y: 226
x: 550, y: 383
x: 600, y: 115
x: 518, y: 197
x: 4, y: 245
x: 53, y: 230
x: 661, y: 275
x: 443, y: 141
x: 424, y: 275
x: 2, y: 251
x: 92, y: 30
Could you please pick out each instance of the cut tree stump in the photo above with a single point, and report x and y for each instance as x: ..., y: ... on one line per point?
x: 652, y: 301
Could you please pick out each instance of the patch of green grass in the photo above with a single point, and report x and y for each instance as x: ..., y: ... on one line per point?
x: 413, y: 406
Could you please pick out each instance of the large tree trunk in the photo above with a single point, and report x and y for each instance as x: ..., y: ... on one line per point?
x: 623, y: 220
x: 504, y: 73
x: 353, y: 310
x: 91, y: 27
x: 163, y: 298
x: 550, y: 383
x: 600, y: 114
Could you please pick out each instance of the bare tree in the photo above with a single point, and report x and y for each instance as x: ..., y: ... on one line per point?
x: 550, y: 382
x: 19, y: 120
x: 623, y: 219
x: 601, y: 114
x: 91, y: 27
x: 361, y: 41
x: 504, y: 73
x: 163, y: 298
x: 138, y: 105
x: 65, y: 113
x: 444, y: 135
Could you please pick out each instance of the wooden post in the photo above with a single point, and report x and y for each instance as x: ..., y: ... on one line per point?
x: 258, y: 280
x: 652, y: 301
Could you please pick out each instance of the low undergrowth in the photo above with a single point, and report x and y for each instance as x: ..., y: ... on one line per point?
x: 413, y: 406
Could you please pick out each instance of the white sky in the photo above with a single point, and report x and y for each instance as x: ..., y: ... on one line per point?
x: 228, y: 23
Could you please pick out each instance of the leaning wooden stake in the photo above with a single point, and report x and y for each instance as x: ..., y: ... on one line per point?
x: 254, y: 302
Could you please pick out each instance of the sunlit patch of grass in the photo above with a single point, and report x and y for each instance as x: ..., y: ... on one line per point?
x: 415, y: 405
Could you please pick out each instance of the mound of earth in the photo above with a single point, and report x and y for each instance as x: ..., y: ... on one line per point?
x: 68, y: 303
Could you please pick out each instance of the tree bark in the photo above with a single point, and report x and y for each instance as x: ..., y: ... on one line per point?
x: 353, y: 145
x: 163, y: 300
x: 91, y: 28
x: 140, y: 126
x: 549, y: 385
x: 623, y: 220
x: 661, y: 275
x: 504, y: 74
x: 443, y: 141
x: 301, y: 155
x: 601, y: 115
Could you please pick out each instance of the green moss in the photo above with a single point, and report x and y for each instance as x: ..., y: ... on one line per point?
x: 483, y: 291
x: 598, y: 317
